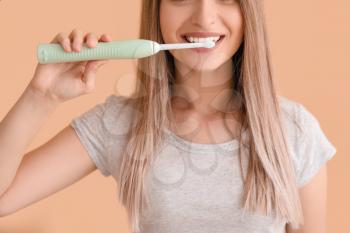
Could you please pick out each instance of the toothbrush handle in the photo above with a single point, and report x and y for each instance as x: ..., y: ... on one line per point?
x: 124, y: 49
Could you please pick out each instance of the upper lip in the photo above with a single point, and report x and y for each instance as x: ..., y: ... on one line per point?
x: 202, y: 34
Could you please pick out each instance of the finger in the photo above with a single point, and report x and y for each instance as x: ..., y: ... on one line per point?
x: 76, y: 38
x: 98, y: 63
x: 81, y: 64
x: 91, y: 40
x: 90, y: 75
x: 63, y: 40
x: 105, y: 38
x: 101, y: 62
x: 94, y: 65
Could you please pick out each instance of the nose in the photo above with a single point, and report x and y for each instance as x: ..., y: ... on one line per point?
x: 204, y: 14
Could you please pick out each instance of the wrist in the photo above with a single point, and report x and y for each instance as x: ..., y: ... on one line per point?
x: 39, y: 99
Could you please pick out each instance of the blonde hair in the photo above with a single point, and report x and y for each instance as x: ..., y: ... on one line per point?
x: 270, y: 182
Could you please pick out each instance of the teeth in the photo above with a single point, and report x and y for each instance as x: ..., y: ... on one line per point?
x: 198, y: 39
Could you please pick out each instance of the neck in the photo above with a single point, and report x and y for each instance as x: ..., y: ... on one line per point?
x: 205, y: 92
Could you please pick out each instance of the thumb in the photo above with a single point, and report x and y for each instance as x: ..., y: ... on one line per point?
x: 90, y: 73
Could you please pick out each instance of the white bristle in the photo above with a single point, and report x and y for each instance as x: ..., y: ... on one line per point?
x: 209, y: 44
x: 206, y: 44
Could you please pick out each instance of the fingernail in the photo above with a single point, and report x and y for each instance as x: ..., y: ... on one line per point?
x: 67, y: 48
x: 76, y: 47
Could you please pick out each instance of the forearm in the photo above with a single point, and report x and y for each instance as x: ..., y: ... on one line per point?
x: 17, y: 130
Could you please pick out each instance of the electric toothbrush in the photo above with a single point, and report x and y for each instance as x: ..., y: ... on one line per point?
x: 122, y: 49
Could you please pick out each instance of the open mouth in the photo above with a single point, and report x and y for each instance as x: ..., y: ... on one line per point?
x: 189, y: 39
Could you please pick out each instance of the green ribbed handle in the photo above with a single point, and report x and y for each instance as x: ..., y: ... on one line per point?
x: 123, y: 49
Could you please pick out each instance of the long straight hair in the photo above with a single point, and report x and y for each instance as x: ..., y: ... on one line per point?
x: 270, y: 182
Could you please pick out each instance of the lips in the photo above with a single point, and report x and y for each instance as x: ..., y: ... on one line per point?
x: 184, y: 39
x: 202, y: 35
x: 206, y: 50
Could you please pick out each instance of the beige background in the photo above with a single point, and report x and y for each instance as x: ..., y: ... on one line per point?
x: 310, y: 56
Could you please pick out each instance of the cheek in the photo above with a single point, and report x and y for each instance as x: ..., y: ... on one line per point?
x: 165, y: 29
x: 168, y: 24
x: 235, y: 24
x: 172, y: 19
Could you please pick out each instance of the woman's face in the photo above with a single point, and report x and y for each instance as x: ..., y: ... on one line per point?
x: 181, y: 19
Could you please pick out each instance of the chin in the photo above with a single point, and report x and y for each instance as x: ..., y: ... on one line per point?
x: 199, y: 64
x: 204, y: 68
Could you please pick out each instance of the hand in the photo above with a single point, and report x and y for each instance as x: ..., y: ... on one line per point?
x: 64, y: 81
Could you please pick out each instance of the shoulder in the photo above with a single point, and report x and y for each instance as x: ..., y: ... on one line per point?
x: 290, y: 116
x: 118, y: 113
x: 307, y: 141
x: 297, y: 117
x: 289, y: 107
x: 117, y: 101
x: 119, y: 106
x: 297, y: 120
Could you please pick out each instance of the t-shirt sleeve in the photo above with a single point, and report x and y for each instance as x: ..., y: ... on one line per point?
x: 92, y: 134
x: 314, y: 148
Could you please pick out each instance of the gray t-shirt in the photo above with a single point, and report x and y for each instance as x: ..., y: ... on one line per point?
x: 193, y: 187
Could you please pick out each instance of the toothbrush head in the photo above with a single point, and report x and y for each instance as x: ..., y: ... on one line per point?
x: 157, y: 47
x: 209, y: 44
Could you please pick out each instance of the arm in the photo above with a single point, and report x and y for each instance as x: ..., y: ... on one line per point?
x: 26, y: 179
x: 46, y: 170
x: 17, y: 129
x: 313, y: 197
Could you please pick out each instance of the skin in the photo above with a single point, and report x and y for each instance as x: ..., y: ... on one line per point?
x: 313, y: 197
x: 203, y: 80
x: 64, y: 81
x: 63, y: 160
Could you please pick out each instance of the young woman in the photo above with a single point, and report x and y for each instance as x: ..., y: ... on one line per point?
x: 204, y: 144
